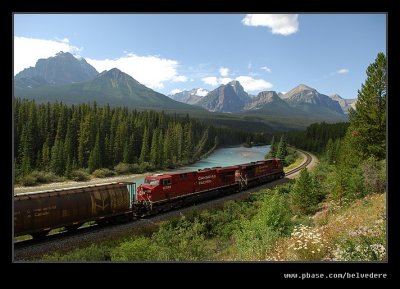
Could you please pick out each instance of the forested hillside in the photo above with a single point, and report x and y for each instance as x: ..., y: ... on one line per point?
x: 61, y: 139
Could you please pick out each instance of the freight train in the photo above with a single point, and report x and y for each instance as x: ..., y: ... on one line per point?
x: 38, y: 213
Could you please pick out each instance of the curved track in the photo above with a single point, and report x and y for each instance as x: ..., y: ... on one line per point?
x: 303, y: 165
x: 93, y: 228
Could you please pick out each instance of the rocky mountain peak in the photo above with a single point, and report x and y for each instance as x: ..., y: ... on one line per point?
x: 62, y: 68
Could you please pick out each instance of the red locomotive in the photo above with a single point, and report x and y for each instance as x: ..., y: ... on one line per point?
x: 38, y: 213
x: 165, y: 191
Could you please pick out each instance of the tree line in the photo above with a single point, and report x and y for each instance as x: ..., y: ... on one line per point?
x: 317, y: 135
x: 58, y: 138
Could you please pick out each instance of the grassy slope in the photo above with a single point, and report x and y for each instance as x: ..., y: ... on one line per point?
x: 336, y: 228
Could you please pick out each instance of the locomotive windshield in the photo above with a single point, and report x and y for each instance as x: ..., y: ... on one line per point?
x: 151, y: 182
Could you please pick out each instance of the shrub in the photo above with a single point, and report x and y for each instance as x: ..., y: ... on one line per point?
x: 40, y: 177
x: 289, y: 159
x: 123, y: 168
x: 46, y: 177
x: 252, y: 242
x: 374, y: 173
x: 258, y: 235
x: 91, y: 253
x: 140, y: 249
x: 135, y: 168
x: 29, y: 181
x: 103, y: 173
x: 145, y: 167
x: 184, y: 242
x: 348, y: 184
x: 80, y: 175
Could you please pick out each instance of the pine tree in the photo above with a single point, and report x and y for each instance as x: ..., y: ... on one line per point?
x: 304, y: 199
x: 272, y: 150
x: 154, y: 148
x: 126, y: 154
x: 367, y: 131
x: 46, y: 156
x: 160, y: 149
x: 84, y: 141
x: 330, y: 151
x: 144, y: 152
x: 167, y: 149
x: 25, y: 151
x: 68, y: 167
x: 282, y: 151
x: 57, y: 163
x: 95, y: 155
x: 57, y: 158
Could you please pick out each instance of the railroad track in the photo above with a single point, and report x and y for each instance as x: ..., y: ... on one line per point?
x: 18, y: 245
x: 303, y: 165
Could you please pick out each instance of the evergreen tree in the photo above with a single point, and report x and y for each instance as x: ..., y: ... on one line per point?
x: 304, y: 197
x: 46, y: 156
x: 95, y: 155
x: 367, y: 131
x: 126, y: 154
x: 330, y: 151
x: 57, y: 163
x: 144, y: 153
x: 282, y: 151
x: 272, y: 150
x: 57, y: 157
x: 154, y: 149
x: 168, y: 148
x: 25, y: 151
x: 160, y: 149
x: 84, y: 142
x: 68, y: 167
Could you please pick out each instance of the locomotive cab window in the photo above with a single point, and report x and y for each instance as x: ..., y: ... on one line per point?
x: 166, y: 182
x: 151, y: 182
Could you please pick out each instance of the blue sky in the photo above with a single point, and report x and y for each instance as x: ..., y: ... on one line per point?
x: 172, y: 52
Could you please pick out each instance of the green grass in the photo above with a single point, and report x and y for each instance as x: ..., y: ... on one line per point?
x: 298, y: 161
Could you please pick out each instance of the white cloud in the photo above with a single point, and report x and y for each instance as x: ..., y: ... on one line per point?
x: 249, y: 65
x: 223, y: 71
x: 175, y: 91
x: 151, y: 71
x: 251, y: 84
x: 211, y: 80
x: 29, y: 50
x: 266, y: 68
x: 224, y: 80
x: 201, y: 92
x: 180, y: 78
x: 284, y: 24
x: 343, y: 71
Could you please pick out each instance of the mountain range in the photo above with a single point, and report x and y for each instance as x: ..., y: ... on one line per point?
x: 73, y: 81
x: 301, y: 100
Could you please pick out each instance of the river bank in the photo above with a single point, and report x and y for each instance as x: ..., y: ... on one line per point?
x: 215, y: 157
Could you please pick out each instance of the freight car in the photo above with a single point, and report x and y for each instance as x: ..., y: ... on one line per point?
x: 38, y: 213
